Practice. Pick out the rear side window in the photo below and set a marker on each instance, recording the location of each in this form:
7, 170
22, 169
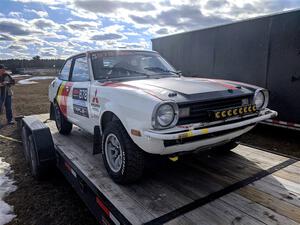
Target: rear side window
64, 73
80, 70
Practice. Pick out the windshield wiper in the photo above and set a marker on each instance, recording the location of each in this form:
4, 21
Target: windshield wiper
159, 69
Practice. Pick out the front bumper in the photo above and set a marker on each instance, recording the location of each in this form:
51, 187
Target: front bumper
263, 115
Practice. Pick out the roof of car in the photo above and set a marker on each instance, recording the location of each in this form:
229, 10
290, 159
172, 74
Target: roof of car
117, 50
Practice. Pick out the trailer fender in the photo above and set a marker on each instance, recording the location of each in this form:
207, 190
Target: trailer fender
39, 146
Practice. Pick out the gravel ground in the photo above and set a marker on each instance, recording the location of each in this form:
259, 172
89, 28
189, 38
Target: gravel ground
54, 202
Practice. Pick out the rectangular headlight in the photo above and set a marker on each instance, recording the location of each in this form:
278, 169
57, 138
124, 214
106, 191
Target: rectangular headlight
184, 112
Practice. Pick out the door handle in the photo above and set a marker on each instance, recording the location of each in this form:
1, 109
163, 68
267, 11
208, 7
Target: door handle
295, 78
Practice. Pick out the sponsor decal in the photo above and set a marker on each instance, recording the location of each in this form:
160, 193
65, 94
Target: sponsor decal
62, 96
81, 110
79, 102
80, 94
100, 55
95, 99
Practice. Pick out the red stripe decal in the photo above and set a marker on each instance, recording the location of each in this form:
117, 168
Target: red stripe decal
63, 96
102, 206
223, 83
229, 86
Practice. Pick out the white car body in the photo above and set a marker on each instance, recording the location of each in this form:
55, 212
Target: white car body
133, 102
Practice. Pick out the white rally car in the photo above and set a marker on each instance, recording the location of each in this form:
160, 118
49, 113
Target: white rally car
142, 105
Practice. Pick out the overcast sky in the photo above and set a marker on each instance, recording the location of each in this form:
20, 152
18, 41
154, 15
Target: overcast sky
60, 28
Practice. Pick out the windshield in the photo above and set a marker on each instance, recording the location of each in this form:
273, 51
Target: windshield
129, 64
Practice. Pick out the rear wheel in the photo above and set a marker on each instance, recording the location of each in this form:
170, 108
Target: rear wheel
62, 124
25, 144
123, 159
37, 171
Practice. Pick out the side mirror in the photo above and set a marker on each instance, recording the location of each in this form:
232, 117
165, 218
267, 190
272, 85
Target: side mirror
179, 72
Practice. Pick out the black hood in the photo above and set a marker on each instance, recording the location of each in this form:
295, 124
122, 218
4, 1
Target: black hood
190, 89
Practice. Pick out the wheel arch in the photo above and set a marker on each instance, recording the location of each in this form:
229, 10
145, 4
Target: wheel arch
107, 117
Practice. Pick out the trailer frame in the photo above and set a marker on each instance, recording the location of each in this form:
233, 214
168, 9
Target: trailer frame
100, 205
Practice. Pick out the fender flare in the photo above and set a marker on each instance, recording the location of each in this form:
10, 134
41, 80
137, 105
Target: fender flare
115, 109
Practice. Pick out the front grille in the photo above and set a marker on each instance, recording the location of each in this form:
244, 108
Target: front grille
199, 111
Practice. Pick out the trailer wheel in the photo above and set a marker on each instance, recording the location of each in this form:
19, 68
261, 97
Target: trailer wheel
25, 144
37, 170
62, 124
123, 160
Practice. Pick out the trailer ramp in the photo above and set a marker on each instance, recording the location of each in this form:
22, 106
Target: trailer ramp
246, 186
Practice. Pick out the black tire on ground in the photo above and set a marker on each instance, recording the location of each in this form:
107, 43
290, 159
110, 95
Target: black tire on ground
225, 148
133, 158
25, 144
37, 170
62, 124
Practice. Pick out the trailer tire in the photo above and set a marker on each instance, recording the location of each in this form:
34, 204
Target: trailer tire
62, 124
131, 159
25, 144
37, 170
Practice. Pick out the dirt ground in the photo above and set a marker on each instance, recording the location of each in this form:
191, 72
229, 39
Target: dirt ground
53, 201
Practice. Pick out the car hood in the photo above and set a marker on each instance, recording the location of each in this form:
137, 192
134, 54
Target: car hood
186, 88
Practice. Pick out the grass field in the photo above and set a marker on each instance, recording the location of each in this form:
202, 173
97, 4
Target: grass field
32, 98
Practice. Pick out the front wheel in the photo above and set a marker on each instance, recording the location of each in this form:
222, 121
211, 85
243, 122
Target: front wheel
62, 124
123, 159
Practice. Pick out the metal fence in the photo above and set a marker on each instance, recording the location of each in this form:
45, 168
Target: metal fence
264, 51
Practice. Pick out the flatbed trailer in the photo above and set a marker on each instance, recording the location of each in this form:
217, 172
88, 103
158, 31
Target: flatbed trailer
245, 186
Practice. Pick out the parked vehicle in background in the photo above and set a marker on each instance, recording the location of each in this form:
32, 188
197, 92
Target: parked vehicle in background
142, 105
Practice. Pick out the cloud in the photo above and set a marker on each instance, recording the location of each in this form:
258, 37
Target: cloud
31, 40
162, 31
43, 23
15, 14
46, 2
213, 4
111, 6
82, 25
17, 47
4, 37
48, 52
14, 27
105, 37
38, 13
182, 18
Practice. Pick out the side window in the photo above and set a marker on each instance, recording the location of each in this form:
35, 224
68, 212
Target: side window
80, 70
64, 73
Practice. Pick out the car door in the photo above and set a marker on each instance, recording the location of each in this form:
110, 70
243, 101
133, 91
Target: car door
79, 99
61, 88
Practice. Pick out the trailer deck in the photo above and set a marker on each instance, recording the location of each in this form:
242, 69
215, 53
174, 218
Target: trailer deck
246, 186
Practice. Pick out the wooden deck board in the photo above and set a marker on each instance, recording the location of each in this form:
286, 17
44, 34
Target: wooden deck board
278, 205
273, 197
216, 213
281, 192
